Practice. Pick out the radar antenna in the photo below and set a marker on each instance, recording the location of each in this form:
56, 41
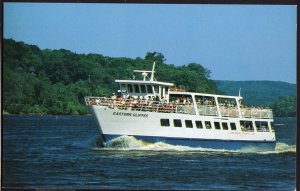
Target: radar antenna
145, 73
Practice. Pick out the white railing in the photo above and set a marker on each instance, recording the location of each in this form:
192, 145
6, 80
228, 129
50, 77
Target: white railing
164, 107
207, 110
140, 105
260, 113
229, 111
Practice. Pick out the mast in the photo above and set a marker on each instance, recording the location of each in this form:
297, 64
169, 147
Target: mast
152, 73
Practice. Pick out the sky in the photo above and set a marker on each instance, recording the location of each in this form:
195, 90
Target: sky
234, 42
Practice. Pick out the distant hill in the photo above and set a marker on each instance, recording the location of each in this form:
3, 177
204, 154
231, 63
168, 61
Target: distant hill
257, 93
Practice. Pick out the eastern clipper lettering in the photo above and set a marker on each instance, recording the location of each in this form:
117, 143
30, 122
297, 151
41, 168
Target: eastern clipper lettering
130, 114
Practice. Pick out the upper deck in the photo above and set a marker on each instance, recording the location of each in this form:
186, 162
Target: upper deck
155, 96
190, 108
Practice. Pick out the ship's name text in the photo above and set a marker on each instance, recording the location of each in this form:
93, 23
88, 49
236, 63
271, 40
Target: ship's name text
130, 114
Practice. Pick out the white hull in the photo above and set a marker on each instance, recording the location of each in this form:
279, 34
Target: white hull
116, 122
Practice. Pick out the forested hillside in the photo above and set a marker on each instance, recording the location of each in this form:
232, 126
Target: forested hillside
280, 96
258, 93
47, 81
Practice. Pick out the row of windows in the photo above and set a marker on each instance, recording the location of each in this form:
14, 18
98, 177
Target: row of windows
249, 126
198, 124
136, 88
245, 125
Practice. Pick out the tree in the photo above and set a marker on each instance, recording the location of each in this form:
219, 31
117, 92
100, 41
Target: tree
157, 57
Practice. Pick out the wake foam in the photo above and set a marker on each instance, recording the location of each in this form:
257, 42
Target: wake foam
131, 143
282, 148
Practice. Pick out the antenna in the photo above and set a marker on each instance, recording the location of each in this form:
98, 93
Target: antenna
240, 92
152, 73
145, 73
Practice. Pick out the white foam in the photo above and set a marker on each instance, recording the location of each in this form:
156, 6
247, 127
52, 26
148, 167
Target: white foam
131, 143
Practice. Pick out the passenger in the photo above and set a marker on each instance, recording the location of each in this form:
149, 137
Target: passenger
157, 98
113, 97
242, 128
205, 102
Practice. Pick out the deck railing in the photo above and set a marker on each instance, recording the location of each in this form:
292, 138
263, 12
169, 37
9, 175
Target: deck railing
260, 113
163, 107
229, 111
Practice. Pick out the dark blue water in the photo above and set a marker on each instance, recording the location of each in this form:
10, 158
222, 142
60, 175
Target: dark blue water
61, 152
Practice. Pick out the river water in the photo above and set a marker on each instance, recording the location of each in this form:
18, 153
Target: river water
62, 152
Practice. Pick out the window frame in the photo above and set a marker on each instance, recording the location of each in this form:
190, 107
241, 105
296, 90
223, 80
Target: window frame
199, 122
164, 122
227, 127
205, 124
190, 125
218, 126
178, 123
233, 124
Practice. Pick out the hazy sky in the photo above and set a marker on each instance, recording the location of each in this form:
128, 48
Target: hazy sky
235, 42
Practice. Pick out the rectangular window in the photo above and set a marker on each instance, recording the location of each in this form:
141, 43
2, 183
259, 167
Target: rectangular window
136, 88
156, 89
246, 126
217, 125
207, 125
188, 124
225, 126
177, 123
129, 87
199, 124
165, 122
149, 89
233, 126
262, 126
143, 88
123, 88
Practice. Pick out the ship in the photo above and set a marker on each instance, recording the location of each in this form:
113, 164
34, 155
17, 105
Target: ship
155, 111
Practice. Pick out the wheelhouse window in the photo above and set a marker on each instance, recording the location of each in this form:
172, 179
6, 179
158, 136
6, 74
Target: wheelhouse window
177, 123
262, 126
225, 125
149, 89
129, 87
233, 126
123, 88
246, 126
199, 124
136, 88
143, 88
207, 125
165, 122
156, 89
217, 125
188, 124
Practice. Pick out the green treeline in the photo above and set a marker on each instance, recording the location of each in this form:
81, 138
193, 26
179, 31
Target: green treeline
285, 106
47, 81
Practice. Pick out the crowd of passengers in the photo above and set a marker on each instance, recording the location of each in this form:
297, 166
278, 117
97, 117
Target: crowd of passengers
176, 101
